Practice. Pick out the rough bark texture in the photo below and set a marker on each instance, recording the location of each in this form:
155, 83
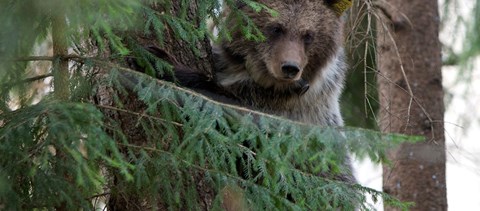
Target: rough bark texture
411, 101
183, 54
178, 48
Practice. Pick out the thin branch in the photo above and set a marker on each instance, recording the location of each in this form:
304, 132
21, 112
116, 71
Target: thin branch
98, 195
27, 80
140, 114
51, 58
35, 58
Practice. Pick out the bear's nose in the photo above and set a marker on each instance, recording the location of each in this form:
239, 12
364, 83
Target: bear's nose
290, 69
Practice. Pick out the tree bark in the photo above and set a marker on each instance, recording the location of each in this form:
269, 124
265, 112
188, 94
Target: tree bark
60, 49
411, 101
182, 53
180, 49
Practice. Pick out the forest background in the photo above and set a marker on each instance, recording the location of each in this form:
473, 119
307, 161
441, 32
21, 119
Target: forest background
460, 47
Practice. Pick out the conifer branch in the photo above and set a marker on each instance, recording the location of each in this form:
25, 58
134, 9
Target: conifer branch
190, 92
299, 171
237, 178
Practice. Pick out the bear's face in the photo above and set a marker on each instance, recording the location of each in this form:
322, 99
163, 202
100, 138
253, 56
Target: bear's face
299, 42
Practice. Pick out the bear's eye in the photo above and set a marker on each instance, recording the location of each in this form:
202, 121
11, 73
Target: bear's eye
308, 38
275, 31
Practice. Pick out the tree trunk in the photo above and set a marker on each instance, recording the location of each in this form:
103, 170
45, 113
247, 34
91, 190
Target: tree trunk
178, 48
411, 101
183, 54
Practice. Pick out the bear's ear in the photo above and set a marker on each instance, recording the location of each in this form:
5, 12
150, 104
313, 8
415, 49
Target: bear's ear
238, 4
339, 6
330, 2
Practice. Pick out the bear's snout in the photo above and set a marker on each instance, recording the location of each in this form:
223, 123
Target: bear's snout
288, 59
290, 70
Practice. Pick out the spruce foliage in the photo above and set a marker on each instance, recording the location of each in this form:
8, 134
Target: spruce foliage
73, 153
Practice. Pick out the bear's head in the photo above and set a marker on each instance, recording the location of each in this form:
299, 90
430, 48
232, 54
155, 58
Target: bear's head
299, 42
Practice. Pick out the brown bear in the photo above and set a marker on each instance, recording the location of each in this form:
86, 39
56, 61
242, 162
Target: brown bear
297, 72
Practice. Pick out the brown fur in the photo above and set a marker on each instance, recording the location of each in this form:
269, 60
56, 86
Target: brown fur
307, 33
250, 74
